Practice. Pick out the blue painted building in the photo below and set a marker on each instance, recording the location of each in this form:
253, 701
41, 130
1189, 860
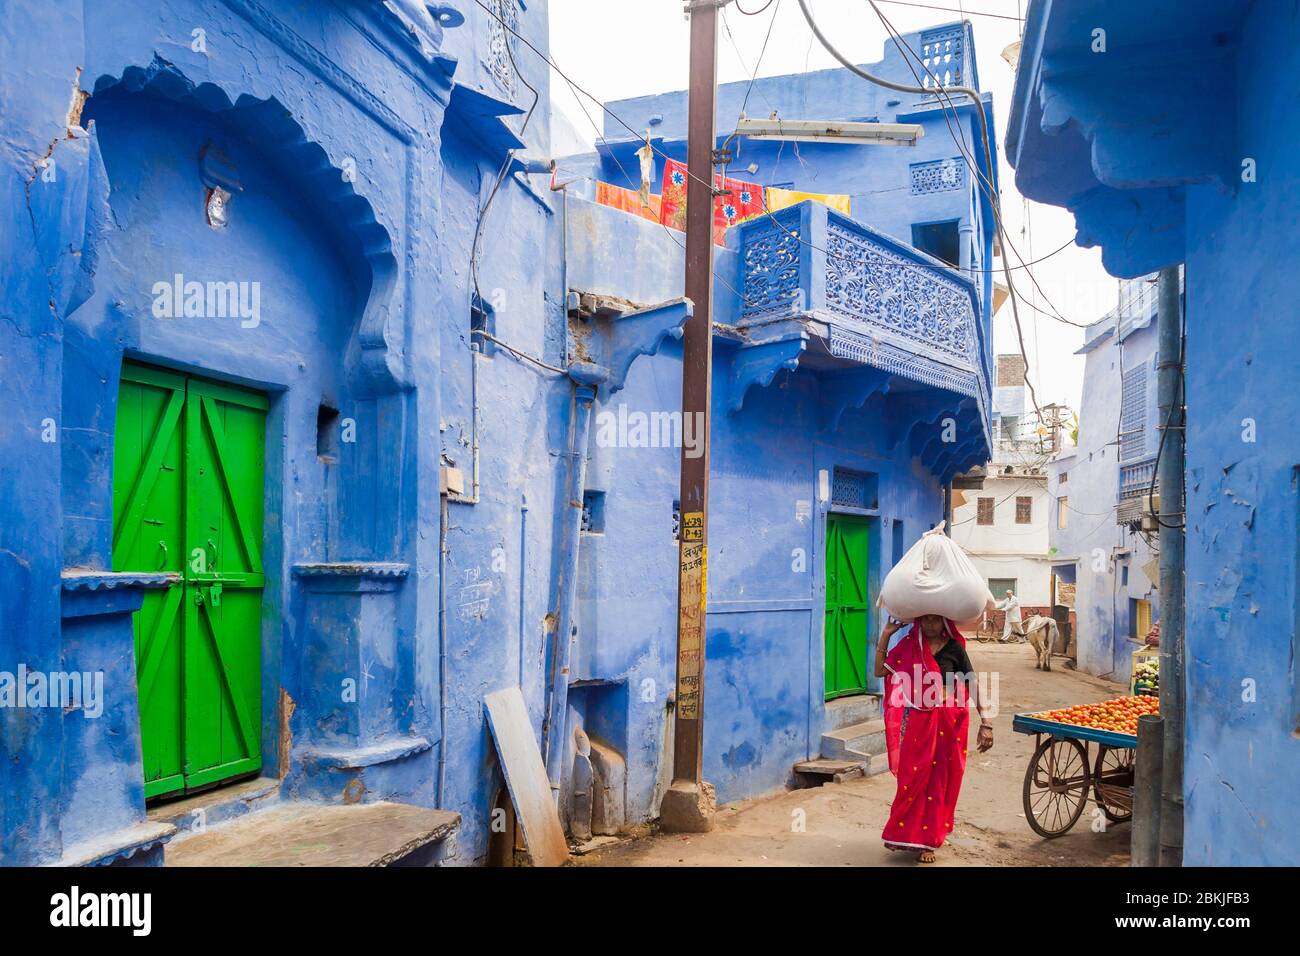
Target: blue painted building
328, 162
1099, 489
844, 346
1162, 126
297, 266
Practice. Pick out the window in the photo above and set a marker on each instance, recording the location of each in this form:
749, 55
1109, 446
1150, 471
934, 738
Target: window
938, 239
1141, 619
1065, 477
984, 514
999, 587
1062, 513
1024, 509
593, 512
1133, 414
853, 489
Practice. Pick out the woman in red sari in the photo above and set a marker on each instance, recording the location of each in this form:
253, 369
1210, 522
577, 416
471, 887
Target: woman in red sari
929, 685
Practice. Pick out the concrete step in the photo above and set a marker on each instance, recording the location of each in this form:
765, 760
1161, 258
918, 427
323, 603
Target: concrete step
196, 813
821, 770
297, 834
875, 764
856, 741
844, 711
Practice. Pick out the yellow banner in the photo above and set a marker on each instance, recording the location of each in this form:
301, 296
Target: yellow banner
778, 198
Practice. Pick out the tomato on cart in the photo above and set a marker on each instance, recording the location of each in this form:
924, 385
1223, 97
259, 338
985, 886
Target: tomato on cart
1063, 774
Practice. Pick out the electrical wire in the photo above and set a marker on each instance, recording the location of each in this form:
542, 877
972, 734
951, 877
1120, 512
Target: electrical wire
1006, 267
753, 76
578, 89
516, 352
941, 91
574, 88
482, 216
505, 166
958, 9
1180, 398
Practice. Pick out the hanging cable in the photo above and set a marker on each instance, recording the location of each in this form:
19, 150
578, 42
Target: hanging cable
505, 166
753, 78
958, 9
988, 153
986, 185
578, 89
1180, 399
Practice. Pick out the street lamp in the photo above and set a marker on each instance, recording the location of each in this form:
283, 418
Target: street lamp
831, 131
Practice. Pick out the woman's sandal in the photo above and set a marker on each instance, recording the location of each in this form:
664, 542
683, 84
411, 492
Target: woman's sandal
925, 856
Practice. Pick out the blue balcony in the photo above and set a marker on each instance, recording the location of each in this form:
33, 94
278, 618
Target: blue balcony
871, 300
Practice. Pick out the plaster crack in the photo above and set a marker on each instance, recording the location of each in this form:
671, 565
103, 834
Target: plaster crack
1230, 788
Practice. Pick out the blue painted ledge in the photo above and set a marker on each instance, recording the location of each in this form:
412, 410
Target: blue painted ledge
352, 576
90, 593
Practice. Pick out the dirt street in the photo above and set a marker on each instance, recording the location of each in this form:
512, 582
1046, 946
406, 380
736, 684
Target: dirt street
842, 822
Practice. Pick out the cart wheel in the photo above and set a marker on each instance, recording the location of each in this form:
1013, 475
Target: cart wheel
1113, 782
1056, 786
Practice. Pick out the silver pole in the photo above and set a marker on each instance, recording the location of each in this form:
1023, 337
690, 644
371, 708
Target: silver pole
1144, 846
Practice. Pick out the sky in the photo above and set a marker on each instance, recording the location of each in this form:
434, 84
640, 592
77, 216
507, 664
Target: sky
620, 48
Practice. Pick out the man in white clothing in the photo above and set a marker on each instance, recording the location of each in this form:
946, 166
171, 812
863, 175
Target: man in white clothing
1013, 621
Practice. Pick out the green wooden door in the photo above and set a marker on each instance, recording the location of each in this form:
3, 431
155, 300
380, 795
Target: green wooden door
187, 498
848, 614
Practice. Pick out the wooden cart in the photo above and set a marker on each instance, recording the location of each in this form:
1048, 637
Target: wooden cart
1064, 774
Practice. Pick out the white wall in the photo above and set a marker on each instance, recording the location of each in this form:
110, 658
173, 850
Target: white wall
1006, 549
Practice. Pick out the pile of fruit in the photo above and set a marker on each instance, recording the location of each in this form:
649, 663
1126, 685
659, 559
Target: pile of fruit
1146, 676
1119, 715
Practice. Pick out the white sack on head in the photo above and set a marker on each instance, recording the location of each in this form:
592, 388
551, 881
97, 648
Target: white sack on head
935, 577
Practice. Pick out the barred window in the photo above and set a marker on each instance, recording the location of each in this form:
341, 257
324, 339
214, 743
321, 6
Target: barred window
1024, 509
984, 514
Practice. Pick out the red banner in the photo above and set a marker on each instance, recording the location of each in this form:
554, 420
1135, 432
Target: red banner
736, 202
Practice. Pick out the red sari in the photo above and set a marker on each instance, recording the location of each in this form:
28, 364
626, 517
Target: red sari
926, 731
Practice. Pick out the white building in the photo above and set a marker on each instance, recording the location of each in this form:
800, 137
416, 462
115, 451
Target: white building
1003, 526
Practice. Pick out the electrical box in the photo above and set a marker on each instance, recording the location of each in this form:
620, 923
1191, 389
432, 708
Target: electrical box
453, 481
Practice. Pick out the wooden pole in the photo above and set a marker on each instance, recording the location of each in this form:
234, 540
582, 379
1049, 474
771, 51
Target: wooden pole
689, 804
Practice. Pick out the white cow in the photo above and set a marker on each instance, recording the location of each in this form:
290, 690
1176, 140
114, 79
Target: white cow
1043, 634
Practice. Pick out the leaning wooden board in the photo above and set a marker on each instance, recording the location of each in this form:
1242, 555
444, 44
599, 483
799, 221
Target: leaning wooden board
530, 791
1033, 724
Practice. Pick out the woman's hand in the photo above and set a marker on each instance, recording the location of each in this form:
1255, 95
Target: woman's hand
984, 739
882, 646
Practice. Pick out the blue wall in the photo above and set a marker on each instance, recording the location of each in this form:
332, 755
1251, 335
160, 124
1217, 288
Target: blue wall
1122, 143
878, 179
360, 166
364, 141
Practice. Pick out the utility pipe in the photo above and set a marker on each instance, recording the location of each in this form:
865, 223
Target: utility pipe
1148, 761
1172, 564
584, 394
523, 584
442, 647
